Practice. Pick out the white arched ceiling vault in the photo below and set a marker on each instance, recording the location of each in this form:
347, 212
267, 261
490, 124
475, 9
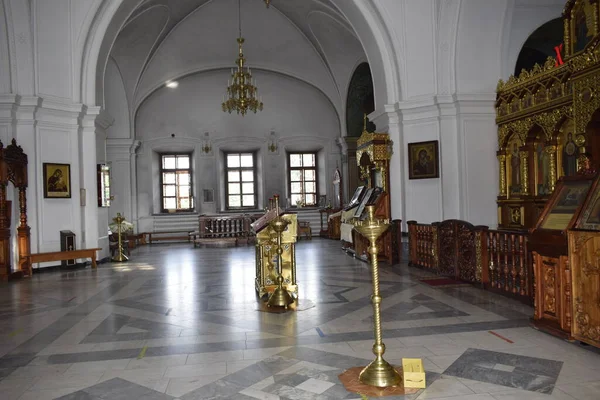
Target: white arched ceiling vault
314, 43
361, 22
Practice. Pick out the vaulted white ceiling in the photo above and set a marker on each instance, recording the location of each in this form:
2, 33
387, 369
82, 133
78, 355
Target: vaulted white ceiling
163, 40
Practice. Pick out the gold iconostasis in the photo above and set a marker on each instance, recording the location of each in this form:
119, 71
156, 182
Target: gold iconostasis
549, 120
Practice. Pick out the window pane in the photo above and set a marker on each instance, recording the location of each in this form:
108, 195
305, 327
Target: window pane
248, 176
247, 160
233, 176
184, 178
309, 175
295, 160
184, 191
248, 200
235, 201
248, 188
169, 162
168, 190
295, 198
233, 160
308, 160
296, 175
309, 187
168, 177
310, 199
170, 203
234, 188
296, 187
183, 162
184, 203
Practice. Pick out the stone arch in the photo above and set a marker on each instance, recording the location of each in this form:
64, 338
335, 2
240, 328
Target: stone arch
364, 17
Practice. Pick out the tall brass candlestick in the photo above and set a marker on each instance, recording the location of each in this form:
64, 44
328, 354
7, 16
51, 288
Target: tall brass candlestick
280, 296
120, 257
379, 372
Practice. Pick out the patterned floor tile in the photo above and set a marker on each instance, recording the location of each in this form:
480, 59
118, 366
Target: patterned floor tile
528, 373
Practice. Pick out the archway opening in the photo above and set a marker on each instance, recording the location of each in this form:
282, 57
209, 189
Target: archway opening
540, 45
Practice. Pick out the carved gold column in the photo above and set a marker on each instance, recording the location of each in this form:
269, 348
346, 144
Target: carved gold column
5, 264
23, 234
524, 156
551, 150
567, 36
502, 161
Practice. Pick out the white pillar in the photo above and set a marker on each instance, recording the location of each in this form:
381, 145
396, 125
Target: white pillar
133, 171
88, 178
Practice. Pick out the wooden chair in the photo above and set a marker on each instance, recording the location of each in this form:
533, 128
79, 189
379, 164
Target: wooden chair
304, 228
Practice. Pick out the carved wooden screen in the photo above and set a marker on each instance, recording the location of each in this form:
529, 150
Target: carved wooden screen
457, 256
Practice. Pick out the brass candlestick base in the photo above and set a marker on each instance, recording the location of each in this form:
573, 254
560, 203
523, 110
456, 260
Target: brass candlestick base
280, 297
379, 372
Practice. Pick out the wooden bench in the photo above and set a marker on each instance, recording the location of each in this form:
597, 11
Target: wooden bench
65, 255
167, 235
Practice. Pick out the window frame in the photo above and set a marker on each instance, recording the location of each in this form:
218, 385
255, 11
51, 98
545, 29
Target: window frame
254, 170
289, 175
161, 187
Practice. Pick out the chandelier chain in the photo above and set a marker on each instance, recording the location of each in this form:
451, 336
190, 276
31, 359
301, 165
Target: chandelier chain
241, 93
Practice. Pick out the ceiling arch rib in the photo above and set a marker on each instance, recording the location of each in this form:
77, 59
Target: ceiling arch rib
135, 43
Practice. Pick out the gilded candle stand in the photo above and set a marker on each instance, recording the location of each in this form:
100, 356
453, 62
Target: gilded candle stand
120, 257
280, 296
379, 372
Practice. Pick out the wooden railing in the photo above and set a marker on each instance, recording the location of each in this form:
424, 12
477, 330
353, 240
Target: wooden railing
498, 260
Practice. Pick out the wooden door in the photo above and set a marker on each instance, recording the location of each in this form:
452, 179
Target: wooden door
584, 248
457, 256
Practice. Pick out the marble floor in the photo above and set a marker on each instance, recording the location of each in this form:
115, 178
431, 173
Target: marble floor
184, 323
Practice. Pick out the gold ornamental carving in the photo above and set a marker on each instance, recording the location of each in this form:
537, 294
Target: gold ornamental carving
524, 155
516, 216
592, 267
582, 320
584, 107
502, 161
580, 239
549, 121
525, 76
549, 292
503, 132
551, 150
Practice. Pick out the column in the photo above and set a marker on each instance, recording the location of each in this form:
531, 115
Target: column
88, 178
524, 155
133, 170
23, 233
551, 150
502, 174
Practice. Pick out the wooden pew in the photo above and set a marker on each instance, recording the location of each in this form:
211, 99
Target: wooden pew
65, 255
166, 235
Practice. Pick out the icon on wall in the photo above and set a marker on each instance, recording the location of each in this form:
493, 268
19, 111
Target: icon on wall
57, 181
423, 160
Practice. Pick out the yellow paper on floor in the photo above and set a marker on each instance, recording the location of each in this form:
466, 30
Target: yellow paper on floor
413, 372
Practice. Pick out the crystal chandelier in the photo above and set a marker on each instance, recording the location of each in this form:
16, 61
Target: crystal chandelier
241, 89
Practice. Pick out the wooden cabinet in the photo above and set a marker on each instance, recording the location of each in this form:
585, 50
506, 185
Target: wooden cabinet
548, 242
